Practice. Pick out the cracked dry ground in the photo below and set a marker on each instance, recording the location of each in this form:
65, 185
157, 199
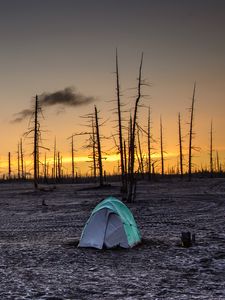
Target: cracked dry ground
39, 258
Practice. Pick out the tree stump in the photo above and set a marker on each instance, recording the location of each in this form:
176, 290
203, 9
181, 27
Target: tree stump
187, 240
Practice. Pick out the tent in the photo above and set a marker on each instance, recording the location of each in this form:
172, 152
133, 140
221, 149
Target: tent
111, 224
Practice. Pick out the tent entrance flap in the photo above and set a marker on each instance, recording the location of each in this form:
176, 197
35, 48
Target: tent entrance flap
115, 234
94, 231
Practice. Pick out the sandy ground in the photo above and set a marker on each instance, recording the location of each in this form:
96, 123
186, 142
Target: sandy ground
39, 258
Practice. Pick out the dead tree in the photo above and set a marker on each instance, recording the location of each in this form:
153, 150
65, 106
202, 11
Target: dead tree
22, 158
180, 146
98, 148
129, 146
18, 161
9, 165
59, 165
149, 141
218, 165
149, 145
36, 141
45, 168
72, 158
91, 142
191, 133
139, 153
93, 139
211, 150
55, 161
121, 149
133, 135
35, 130
125, 160
161, 147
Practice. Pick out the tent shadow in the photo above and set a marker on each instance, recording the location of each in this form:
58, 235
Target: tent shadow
145, 243
73, 243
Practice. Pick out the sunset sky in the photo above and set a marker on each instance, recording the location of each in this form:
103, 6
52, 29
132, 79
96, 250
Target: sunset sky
47, 46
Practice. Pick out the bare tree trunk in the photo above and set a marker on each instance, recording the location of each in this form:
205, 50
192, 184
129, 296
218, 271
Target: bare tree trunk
129, 145
191, 135
125, 165
161, 147
54, 161
72, 153
99, 149
36, 137
22, 157
218, 165
59, 166
9, 165
94, 149
141, 161
132, 135
211, 150
18, 161
45, 168
180, 146
38, 161
149, 146
25, 170
120, 125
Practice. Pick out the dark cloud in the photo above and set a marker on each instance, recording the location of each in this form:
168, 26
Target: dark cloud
22, 115
66, 97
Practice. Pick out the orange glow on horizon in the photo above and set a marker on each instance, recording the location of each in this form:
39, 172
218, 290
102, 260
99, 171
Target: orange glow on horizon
82, 163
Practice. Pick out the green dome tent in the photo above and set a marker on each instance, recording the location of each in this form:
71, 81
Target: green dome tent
111, 224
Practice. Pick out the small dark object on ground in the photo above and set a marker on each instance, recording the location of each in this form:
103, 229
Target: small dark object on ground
187, 239
72, 242
47, 189
44, 203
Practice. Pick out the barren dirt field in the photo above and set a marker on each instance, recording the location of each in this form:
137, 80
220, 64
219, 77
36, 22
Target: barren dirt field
39, 258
